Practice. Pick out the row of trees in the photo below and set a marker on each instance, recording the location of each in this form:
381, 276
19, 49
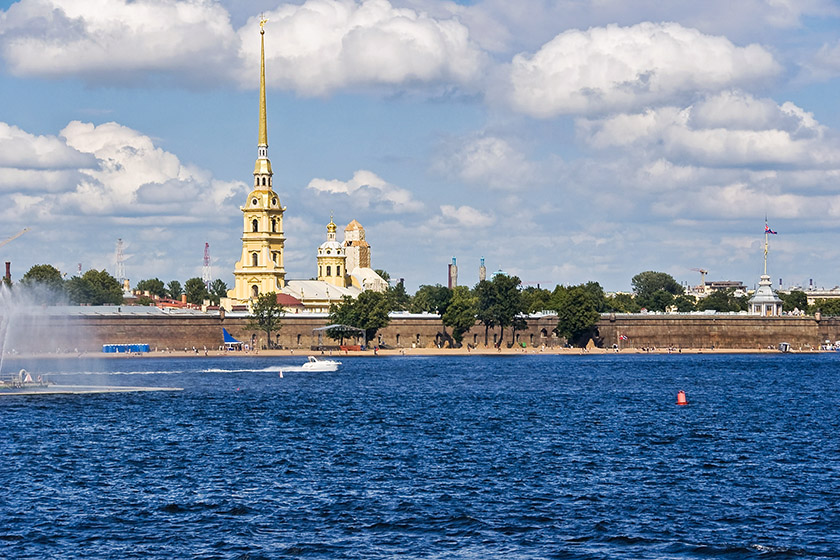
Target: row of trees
194, 289
499, 302
98, 287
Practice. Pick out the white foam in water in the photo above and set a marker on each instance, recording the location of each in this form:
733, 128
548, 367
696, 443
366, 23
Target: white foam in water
269, 369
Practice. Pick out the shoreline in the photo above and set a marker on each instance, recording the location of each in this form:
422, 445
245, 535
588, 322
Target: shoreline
480, 351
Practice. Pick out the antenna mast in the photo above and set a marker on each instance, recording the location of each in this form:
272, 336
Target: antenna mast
120, 262
206, 273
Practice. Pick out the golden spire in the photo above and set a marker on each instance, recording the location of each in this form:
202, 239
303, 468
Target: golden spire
263, 141
263, 165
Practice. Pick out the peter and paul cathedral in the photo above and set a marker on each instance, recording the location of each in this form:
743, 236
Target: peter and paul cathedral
343, 267
260, 268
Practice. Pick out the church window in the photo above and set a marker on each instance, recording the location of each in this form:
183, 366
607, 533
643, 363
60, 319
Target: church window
338, 270
329, 269
320, 271
273, 226
254, 259
263, 181
255, 226
328, 251
254, 201
274, 202
255, 291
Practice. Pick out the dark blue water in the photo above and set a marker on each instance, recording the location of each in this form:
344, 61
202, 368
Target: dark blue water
468, 457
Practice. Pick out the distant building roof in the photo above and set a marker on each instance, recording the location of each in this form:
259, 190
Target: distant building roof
304, 290
288, 301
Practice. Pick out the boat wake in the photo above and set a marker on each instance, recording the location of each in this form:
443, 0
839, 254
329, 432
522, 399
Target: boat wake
269, 369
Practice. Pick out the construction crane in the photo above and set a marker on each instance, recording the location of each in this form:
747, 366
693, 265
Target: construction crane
703, 272
15, 236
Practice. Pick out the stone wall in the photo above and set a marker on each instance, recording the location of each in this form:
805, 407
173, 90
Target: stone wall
402, 332
43, 333
719, 331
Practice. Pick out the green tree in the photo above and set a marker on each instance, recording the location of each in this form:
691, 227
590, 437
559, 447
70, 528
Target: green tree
685, 303
796, 299
659, 300
721, 301
499, 302
536, 299
509, 304
622, 303
174, 289
398, 299
485, 310
431, 299
646, 283
154, 286
45, 284
196, 291
827, 307
101, 288
218, 290
266, 315
79, 291
577, 315
460, 313
369, 312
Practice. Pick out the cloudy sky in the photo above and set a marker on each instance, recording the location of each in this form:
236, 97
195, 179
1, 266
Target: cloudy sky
562, 140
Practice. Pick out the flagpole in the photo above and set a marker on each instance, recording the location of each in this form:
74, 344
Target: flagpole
766, 242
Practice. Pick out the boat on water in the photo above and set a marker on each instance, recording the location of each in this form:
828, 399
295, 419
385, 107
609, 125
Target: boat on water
314, 365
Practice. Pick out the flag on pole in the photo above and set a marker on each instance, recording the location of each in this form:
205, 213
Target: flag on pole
768, 230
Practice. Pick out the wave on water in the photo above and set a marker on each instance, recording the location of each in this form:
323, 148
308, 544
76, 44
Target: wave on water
269, 369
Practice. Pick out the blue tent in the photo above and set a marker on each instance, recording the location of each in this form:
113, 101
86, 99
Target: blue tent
229, 340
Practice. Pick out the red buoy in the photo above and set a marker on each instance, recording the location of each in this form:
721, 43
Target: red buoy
681, 398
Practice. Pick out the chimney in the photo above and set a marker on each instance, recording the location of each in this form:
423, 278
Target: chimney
183, 298
8, 271
453, 274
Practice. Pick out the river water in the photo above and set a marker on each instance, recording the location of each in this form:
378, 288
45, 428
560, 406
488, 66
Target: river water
428, 457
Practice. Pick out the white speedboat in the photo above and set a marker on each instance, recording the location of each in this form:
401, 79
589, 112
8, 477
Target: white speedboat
314, 364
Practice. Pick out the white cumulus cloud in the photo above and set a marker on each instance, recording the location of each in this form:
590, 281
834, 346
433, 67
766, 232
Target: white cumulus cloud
488, 161
728, 129
323, 45
466, 216
118, 40
119, 173
314, 48
617, 68
367, 190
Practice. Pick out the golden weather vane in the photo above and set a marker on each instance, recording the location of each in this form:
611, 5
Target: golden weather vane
263, 21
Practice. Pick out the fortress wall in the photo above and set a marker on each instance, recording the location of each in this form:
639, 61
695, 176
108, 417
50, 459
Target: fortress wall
88, 333
720, 331
401, 332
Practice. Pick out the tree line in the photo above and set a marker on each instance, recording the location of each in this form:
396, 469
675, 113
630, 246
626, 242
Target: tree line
499, 302
98, 287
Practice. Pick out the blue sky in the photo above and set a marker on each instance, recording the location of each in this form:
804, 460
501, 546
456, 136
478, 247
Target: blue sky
564, 141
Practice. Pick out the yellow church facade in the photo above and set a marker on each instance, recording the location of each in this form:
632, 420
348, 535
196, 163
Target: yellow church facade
343, 267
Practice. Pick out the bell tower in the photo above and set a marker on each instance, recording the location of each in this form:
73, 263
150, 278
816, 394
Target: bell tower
260, 268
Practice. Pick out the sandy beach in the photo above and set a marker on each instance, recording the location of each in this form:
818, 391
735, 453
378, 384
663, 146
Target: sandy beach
479, 351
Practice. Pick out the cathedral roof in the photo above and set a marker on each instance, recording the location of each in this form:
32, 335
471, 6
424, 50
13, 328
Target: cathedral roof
354, 225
